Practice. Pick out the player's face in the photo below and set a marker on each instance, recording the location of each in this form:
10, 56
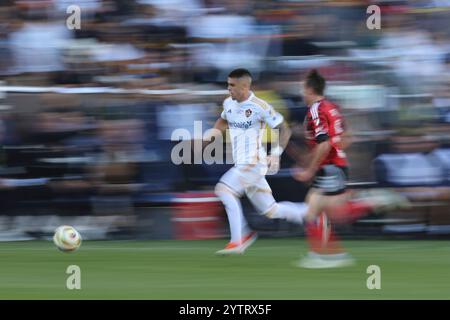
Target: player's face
238, 89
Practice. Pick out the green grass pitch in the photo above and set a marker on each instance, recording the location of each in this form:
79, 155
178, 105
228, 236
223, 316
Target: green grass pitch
190, 270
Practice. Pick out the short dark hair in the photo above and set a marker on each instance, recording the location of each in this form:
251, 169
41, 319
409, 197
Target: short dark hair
315, 81
239, 73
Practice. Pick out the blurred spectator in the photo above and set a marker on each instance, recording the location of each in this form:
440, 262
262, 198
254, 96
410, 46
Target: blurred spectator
416, 59
106, 134
37, 41
223, 41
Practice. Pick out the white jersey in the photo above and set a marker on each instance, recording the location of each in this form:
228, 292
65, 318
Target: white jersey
246, 122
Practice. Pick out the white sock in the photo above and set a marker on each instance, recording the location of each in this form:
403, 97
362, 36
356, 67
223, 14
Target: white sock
245, 230
292, 212
236, 219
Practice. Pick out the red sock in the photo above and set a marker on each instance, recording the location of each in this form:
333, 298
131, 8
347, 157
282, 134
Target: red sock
321, 237
313, 237
350, 211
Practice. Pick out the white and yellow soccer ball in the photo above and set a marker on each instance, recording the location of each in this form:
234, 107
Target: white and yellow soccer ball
67, 238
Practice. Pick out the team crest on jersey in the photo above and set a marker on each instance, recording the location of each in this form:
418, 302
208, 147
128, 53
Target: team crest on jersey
248, 112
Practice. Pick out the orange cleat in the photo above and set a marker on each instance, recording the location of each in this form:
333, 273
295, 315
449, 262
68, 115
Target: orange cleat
231, 248
248, 240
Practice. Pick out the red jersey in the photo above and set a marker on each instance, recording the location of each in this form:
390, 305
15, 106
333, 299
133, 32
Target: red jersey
324, 120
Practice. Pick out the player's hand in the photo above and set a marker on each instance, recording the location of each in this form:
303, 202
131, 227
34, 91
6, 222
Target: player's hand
273, 163
303, 175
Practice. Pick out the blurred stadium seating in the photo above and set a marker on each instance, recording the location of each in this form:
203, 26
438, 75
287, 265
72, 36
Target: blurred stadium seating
90, 112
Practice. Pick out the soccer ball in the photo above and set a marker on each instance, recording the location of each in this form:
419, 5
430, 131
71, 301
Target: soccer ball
67, 239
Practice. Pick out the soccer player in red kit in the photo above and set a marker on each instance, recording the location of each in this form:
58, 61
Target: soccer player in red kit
327, 200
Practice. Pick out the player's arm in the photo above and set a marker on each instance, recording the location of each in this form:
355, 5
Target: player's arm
284, 136
217, 131
319, 153
221, 125
277, 149
276, 121
322, 148
346, 139
341, 136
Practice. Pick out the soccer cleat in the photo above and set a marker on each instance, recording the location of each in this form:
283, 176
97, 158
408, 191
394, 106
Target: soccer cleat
319, 261
239, 248
248, 240
231, 248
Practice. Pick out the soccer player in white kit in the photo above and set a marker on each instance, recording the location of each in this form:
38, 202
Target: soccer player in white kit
246, 116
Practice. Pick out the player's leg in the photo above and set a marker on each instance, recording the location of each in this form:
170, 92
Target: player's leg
343, 209
328, 191
325, 249
260, 195
265, 203
317, 225
350, 207
340, 208
320, 235
229, 190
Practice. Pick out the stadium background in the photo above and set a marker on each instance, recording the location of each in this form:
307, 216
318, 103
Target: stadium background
87, 115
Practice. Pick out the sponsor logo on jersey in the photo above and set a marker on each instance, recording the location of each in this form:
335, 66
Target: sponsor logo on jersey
241, 125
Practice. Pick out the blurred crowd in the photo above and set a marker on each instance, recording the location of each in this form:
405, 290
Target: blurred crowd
171, 58
167, 44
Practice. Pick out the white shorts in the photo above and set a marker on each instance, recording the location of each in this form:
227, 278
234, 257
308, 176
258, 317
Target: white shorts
250, 180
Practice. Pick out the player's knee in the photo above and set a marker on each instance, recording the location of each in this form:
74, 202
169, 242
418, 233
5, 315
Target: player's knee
221, 189
315, 198
271, 212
